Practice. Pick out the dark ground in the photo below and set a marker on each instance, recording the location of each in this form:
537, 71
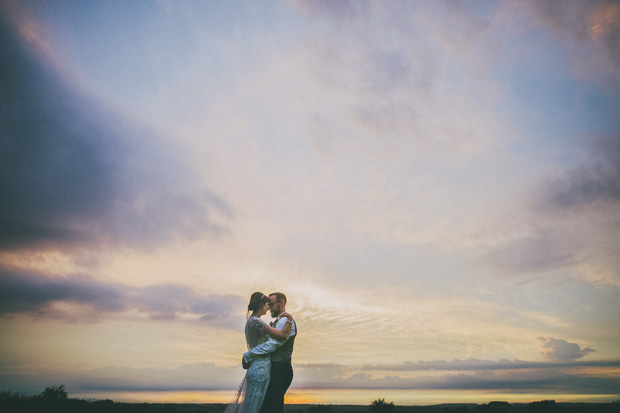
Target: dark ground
20, 404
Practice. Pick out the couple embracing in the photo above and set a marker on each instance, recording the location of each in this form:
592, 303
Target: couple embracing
268, 361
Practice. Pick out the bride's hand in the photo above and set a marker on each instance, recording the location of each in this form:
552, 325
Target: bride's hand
287, 315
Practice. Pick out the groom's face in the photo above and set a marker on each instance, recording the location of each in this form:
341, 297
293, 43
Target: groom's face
275, 306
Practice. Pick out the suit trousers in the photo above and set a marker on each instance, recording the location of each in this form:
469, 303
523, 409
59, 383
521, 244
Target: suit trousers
281, 378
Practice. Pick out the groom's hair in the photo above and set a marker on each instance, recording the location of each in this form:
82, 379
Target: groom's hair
279, 297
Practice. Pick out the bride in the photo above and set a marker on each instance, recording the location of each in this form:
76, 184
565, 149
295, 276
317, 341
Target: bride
253, 387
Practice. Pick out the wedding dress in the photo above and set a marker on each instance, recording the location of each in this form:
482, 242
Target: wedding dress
251, 392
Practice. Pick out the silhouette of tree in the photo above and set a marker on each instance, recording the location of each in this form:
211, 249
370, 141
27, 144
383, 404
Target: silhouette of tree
54, 393
544, 406
495, 407
380, 406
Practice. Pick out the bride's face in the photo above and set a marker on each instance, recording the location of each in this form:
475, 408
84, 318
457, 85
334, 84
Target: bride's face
264, 309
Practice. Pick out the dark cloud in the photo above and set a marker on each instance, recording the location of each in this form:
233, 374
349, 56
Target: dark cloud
567, 16
595, 21
574, 378
208, 376
489, 365
553, 349
590, 184
34, 293
560, 205
37, 294
73, 172
516, 382
54, 166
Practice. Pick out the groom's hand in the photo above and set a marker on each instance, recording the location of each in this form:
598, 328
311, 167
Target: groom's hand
244, 364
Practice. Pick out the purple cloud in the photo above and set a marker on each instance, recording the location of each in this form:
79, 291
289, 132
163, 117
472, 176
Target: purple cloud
589, 184
74, 173
34, 293
560, 350
596, 22
208, 376
37, 294
516, 376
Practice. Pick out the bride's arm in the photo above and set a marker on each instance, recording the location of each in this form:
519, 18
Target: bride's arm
267, 347
279, 334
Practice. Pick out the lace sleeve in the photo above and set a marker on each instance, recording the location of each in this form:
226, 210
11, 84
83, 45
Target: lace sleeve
254, 331
258, 326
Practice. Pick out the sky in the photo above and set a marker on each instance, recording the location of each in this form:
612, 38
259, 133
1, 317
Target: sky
435, 186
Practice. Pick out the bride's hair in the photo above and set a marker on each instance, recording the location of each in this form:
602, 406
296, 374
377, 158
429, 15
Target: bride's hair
257, 300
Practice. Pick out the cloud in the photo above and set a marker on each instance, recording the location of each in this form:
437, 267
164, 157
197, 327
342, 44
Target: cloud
576, 220
34, 293
73, 172
594, 183
561, 350
517, 376
82, 298
339, 10
411, 91
431, 89
535, 253
567, 219
200, 376
210, 376
595, 23
169, 300
188, 377
486, 365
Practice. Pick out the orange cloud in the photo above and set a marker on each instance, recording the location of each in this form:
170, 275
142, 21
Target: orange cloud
604, 18
30, 30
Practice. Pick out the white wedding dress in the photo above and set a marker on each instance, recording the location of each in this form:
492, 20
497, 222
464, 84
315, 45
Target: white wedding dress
252, 390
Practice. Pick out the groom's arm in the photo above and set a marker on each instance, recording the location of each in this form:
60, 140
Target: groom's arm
268, 346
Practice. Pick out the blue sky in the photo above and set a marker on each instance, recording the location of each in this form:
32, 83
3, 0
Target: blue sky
433, 184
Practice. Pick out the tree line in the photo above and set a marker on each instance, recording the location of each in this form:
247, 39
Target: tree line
55, 399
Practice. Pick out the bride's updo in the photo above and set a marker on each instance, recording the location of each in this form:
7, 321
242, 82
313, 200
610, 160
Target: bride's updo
257, 300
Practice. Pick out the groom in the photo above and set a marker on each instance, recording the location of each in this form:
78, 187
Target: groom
281, 354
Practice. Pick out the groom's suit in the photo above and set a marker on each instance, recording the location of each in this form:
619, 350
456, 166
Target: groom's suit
281, 369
